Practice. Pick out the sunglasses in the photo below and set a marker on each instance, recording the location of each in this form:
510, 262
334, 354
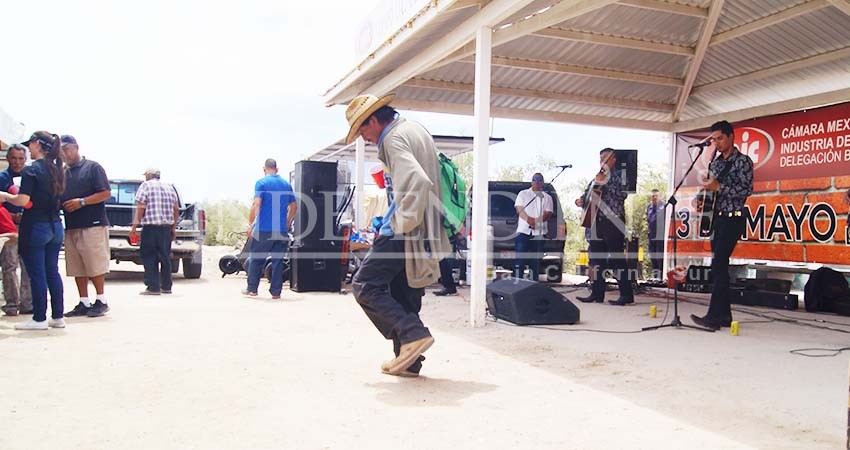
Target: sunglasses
537, 179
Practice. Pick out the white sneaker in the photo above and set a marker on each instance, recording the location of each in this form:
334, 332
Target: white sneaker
32, 325
56, 323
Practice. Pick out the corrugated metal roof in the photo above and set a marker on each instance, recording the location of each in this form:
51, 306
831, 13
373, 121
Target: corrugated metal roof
531, 9
622, 20
736, 14
809, 35
593, 55
819, 30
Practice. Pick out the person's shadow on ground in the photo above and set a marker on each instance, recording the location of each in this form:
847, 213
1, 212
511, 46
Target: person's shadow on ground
425, 391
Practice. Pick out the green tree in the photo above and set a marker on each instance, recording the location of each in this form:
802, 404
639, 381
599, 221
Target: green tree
227, 221
649, 177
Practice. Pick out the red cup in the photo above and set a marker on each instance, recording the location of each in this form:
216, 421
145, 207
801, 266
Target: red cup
377, 173
14, 189
134, 239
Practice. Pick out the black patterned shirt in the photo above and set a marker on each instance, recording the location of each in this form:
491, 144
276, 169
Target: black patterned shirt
613, 196
736, 184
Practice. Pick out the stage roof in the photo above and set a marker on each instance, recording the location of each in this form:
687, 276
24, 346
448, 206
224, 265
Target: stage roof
649, 64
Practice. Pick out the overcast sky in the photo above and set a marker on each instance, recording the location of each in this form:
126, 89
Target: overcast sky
207, 90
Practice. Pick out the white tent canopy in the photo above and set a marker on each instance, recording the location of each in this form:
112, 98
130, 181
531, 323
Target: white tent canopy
11, 131
650, 64
451, 146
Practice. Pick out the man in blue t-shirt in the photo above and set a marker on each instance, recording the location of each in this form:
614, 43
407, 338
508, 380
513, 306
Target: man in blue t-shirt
273, 208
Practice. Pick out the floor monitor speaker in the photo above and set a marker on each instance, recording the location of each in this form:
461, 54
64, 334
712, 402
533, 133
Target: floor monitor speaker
526, 302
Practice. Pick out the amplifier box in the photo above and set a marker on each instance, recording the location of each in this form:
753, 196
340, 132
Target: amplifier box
700, 288
757, 297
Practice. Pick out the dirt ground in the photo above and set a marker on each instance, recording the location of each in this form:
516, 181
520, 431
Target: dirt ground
205, 368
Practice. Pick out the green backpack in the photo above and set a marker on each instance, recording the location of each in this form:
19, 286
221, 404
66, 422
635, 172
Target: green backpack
454, 196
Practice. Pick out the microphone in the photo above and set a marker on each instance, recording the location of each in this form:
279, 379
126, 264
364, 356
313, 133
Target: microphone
700, 145
566, 166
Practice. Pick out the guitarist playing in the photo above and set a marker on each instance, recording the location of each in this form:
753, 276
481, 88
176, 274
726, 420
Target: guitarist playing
607, 237
731, 177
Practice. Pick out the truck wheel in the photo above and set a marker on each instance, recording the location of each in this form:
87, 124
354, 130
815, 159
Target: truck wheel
192, 269
175, 265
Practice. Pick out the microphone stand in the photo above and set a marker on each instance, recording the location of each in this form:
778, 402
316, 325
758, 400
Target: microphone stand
677, 322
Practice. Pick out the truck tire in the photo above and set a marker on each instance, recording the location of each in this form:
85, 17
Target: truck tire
175, 265
192, 269
267, 272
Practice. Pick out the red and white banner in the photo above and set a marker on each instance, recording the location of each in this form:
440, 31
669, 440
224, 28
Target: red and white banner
805, 144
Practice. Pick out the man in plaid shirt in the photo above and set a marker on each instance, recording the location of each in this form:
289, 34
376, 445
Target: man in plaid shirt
157, 210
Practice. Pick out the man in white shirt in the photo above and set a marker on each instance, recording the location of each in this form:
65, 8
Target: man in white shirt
534, 208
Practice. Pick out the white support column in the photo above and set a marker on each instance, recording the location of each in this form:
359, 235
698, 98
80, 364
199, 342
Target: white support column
359, 180
481, 166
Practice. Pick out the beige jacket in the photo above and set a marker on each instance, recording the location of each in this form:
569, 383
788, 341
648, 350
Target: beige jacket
409, 153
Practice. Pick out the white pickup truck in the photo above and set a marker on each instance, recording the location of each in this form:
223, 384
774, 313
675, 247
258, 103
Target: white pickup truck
191, 229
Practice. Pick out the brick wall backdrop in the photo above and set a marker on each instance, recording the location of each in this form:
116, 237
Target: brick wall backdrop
803, 248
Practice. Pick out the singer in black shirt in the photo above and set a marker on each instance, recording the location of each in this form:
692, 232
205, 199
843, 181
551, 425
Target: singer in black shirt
731, 176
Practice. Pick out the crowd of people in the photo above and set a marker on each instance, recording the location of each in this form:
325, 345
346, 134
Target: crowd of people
60, 180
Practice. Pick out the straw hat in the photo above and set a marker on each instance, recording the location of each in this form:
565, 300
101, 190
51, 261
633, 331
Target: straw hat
360, 108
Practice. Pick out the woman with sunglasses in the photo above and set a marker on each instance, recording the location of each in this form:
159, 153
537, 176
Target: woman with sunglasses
41, 232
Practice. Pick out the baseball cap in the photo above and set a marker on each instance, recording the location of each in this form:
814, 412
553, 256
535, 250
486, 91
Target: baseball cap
151, 171
68, 139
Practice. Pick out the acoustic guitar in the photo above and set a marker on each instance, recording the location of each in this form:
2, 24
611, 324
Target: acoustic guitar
593, 199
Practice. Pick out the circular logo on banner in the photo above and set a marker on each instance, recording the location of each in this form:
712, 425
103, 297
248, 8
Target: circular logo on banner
755, 143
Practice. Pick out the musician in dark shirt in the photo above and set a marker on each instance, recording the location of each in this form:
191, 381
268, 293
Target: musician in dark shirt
655, 232
731, 177
607, 232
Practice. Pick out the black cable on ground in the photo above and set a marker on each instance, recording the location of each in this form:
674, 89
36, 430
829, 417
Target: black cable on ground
829, 352
544, 327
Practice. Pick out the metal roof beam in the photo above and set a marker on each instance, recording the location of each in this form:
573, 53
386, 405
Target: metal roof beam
615, 41
775, 70
527, 114
811, 101
699, 55
770, 20
549, 66
544, 95
662, 6
843, 5
556, 14
492, 14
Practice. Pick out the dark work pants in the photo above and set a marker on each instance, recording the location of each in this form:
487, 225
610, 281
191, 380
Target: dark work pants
380, 287
446, 278
155, 248
606, 252
656, 257
727, 232
529, 251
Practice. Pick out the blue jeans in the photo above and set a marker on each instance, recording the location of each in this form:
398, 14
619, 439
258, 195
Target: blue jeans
155, 249
41, 256
529, 251
263, 245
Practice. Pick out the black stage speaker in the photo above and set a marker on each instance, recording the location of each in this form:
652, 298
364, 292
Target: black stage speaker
627, 162
526, 302
767, 284
754, 297
316, 270
315, 184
